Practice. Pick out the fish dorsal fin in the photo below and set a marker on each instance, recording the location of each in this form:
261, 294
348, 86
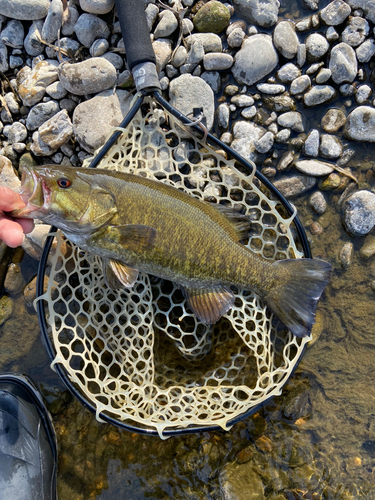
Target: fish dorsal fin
134, 237
118, 275
240, 222
209, 304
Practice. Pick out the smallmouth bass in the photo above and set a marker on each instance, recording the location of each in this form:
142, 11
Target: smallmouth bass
138, 224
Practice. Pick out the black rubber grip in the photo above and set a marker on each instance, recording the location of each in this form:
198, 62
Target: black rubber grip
134, 29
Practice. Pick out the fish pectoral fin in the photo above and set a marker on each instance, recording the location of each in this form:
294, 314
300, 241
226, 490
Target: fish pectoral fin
135, 237
118, 275
209, 304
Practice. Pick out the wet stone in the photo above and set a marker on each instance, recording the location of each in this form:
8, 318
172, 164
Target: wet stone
251, 11
365, 51
346, 255
292, 120
264, 144
343, 63
323, 76
285, 39
6, 308
335, 13
242, 100
333, 181
356, 31
318, 203
234, 480
212, 17
270, 88
311, 145
300, 85
359, 213
316, 46
360, 125
319, 94
217, 61
286, 161
280, 103
14, 280
288, 73
223, 114
293, 186
330, 146
333, 120
367, 251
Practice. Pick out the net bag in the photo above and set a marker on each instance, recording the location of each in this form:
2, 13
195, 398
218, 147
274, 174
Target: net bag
138, 355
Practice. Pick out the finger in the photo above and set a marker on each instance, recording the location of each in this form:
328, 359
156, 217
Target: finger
26, 224
11, 232
9, 200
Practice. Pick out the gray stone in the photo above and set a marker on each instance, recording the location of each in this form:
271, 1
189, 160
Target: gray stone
213, 79
15, 61
97, 6
223, 114
343, 63
296, 185
87, 77
217, 61
163, 51
365, 51
24, 10
41, 113
316, 46
301, 55
256, 59
279, 103
17, 132
56, 90
304, 24
288, 73
315, 168
12, 104
333, 120
187, 92
285, 39
115, 59
70, 20
187, 26
318, 203
363, 93
210, 41
283, 136
167, 25
347, 90
245, 134
311, 4
53, 21
236, 37
33, 45
356, 31
32, 83
367, 6
359, 213
99, 47
311, 145
67, 45
89, 27
256, 12
271, 88
330, 146
346, 254
249, 112
323, 76
292, 120
332, 35
4, 64
196, 53
13, 34
180, 56
264, 144
360, 125
151, 12
300, 85
94, 119
52, 134
318, 95
286, 161
242, 100
335, 13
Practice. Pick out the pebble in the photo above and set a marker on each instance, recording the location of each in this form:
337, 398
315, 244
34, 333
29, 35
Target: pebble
187, 92
285, 39
249, 112
235, 38
316, 228
292, 120
24, 10
343, 63
53, 21
363, 93
89, 27
319, 94
318, 203
356, 31
333, 181
212, 17
40, 113
70, 20
196, 53
97, 6
288, 73
294, 186
217, 61
94, 119
32, 83
52, 134
253, 12
330, 146
210, 41
234, 480
365, 51
14, 280
167, 25
300, 85
333, 120
33, 45
315, 168
367, 251
360, 124
163, 51
332, 35
323, 75
11, 102
115, 59
213, 79
335, 13
359, 213
301, 55
17, 132
4, 64
248, 67
13, 34
286, 161
87, 77
264, 144
6, 308
316, 46
223, 114
346, 255
283, 136
311, 145
245, 133
56, 90
242, 100
271, 88
99, 47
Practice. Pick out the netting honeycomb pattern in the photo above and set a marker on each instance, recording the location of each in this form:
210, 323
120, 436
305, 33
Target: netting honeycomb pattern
138, 354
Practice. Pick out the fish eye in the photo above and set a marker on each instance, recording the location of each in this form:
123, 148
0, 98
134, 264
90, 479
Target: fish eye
64, 183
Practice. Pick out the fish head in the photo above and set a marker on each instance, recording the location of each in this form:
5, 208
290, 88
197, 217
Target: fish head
64, 197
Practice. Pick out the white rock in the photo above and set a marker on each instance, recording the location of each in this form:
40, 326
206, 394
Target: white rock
264, 144
288, 73
285, 39
343, 63
318, 95
260, 13
360, 124
300, 85
359, 213
8, 176
163, 51
356, 31
52, 134
97, 6
245, 134
316, 46
330, 146
363, 93
292, 120
314, 168
32, 83
217, 61
210, 41
365, 51
223, 114
323, 75
311, 145
335, 13
270, 88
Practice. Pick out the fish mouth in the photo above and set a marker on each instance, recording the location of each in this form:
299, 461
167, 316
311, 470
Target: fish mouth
33, 194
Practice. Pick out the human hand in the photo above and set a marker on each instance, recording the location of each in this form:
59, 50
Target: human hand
12, 230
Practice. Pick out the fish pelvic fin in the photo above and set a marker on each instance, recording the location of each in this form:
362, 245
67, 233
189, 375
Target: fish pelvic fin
294, 300
209, 304
118, 275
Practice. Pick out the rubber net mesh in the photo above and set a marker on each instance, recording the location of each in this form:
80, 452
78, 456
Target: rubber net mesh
139, 354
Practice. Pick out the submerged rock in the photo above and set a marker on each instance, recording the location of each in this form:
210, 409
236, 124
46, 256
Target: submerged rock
6, 308
359, 213
241, 482
295, 185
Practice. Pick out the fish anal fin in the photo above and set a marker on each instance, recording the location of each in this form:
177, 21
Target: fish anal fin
118, 275
209, 304
134, 237
240, 222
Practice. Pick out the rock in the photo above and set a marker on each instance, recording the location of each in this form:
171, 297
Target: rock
87, 77
360, 125
301, 55
323, 76
333, 120
280, 103
332, 35
346, 255
235, 38
217, 61
367, 251
32, 83
333, 181
151, 12
223, 114
318, 203
187, 92
249, 112
94, 119
249, 67
294, 186
97, 6
311, 146
363, 93
311, 4
99, 47
292, 120
264, 144
13, 34
343, 63
282, 136
270, 88
89, 27
56, 90
167, 25
12, 104
365, 51
285, 39
29, 292
245, 134
14, 280
242, 100
70, 20
17, 132
335, 13
4, 65
213, 79
41, 113
212, 17
115, 59
24, 10
356, 31
286, 161
6, 304
359, 213
8, 176
163, 52
318, 95
33, 45
180, 57
53, 21
288, 73
330, 146
300, 85
314, 168
210, 41
256, 12
234, 480
33, 242
52, 134
316, 47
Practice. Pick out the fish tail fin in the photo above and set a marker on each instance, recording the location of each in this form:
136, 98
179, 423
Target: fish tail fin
295, 299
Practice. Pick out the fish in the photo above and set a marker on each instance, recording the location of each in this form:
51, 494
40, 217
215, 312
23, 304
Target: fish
138, 224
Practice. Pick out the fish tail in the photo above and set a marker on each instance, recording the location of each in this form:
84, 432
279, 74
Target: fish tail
294, 300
